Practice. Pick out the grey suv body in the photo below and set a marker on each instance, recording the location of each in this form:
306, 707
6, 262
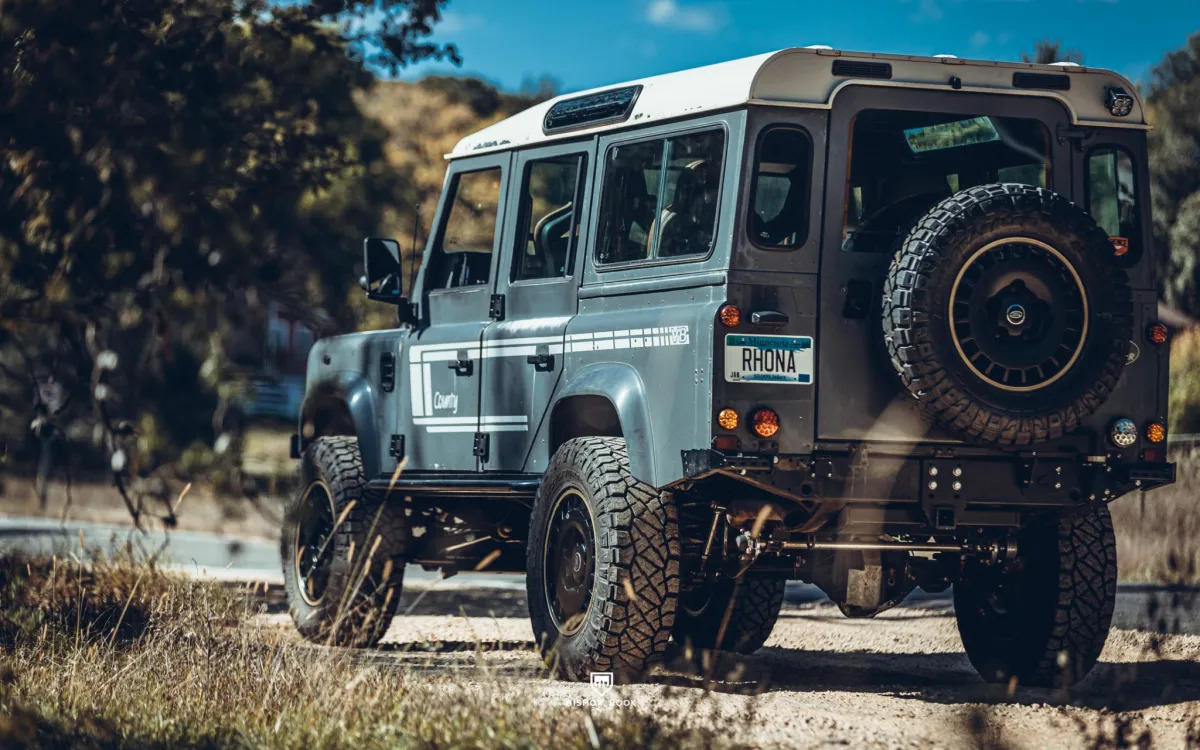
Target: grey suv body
868, 321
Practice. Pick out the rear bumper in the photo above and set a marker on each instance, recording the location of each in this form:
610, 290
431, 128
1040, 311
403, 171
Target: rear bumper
935, 478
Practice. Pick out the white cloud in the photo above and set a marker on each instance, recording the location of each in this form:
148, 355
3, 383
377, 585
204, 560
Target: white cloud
929, 10
980, 39
702, 18
454, 23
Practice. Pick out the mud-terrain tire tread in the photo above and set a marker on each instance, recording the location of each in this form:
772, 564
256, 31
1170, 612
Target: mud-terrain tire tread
1079, 609
337, 460
637, 553
963, 220
755, 602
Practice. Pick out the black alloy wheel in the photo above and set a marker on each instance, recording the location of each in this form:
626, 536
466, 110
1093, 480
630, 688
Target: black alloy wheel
570, 565
1019, 314
313, 553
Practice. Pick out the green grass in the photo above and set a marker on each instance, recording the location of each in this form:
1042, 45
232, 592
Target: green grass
119, 654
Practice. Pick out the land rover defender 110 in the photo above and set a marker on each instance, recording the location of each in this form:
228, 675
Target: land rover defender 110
873, 322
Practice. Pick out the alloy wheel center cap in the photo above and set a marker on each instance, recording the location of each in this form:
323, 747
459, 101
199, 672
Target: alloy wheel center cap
576, 562
1015, 315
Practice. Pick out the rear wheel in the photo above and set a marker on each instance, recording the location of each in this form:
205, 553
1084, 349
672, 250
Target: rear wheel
603, 563
342, 549
1043, 619
735, 616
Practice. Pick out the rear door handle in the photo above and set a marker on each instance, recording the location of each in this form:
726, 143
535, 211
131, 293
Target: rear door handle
462, 366
541, 362
768, 318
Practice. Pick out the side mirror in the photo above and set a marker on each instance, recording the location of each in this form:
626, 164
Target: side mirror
383, 280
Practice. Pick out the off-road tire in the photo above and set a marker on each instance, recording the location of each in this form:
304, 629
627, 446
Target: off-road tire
917, 332
752, 604
631, 612
1059, 598
357, 603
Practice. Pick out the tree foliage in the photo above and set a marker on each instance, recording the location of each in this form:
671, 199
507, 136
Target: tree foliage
1173, 98
165, 167
1047, 51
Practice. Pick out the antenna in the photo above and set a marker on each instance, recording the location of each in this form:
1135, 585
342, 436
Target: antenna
412, 258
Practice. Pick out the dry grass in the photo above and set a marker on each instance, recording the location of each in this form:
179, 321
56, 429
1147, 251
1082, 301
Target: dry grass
1158, 532
118, 654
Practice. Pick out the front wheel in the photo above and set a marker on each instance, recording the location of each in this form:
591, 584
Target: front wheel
736, 616
342, 549
1044, 619
603, 563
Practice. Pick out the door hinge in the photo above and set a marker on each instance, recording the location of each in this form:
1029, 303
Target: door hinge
387, 371
396, 447
481, 445
496, 310
1077, 135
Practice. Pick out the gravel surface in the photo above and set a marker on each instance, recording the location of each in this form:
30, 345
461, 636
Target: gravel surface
898, 680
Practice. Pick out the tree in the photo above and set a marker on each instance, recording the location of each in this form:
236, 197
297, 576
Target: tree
1173, 100
1049, 51
165, 167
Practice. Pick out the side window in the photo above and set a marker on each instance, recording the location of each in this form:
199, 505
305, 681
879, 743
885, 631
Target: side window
549, 219
464, 254
660, 198
1112, 198
779, 193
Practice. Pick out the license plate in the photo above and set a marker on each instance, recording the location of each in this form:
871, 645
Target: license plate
768, 359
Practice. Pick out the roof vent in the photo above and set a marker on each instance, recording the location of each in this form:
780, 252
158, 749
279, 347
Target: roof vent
613, 105
1052, 81
1066, 64
818, 46
862, 69
952, 57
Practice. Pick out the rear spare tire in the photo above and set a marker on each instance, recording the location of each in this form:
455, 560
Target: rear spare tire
1006, 316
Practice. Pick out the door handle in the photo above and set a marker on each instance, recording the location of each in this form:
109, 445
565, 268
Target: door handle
541, 362
462, 366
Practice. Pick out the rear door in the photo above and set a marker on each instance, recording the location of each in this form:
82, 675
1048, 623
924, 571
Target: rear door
537, 281
892, 155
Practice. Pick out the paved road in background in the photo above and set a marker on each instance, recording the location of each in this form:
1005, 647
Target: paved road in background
1139, 606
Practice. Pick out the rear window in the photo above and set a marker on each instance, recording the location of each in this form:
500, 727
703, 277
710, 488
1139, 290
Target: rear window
660, 198
903, 163
779, 194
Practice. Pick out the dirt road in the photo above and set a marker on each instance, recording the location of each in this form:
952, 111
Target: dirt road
900, 680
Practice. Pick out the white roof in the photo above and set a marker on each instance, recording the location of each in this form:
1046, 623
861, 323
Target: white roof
802, 77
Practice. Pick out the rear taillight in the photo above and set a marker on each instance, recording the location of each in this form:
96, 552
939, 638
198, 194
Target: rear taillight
1157, 334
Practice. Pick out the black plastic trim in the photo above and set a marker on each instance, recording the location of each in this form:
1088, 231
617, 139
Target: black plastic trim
862, 69
600, 108
1051, 81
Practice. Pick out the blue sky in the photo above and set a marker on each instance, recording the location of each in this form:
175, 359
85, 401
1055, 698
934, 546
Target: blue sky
584, 44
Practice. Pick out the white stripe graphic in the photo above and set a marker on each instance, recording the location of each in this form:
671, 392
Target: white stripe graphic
424, 358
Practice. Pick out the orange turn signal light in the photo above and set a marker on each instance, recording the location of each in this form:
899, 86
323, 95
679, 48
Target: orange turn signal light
1157, 333
765, 423
730, 315
1156, 432
728, 419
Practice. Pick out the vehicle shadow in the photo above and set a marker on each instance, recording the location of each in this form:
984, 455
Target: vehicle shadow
946, 678
464, 601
